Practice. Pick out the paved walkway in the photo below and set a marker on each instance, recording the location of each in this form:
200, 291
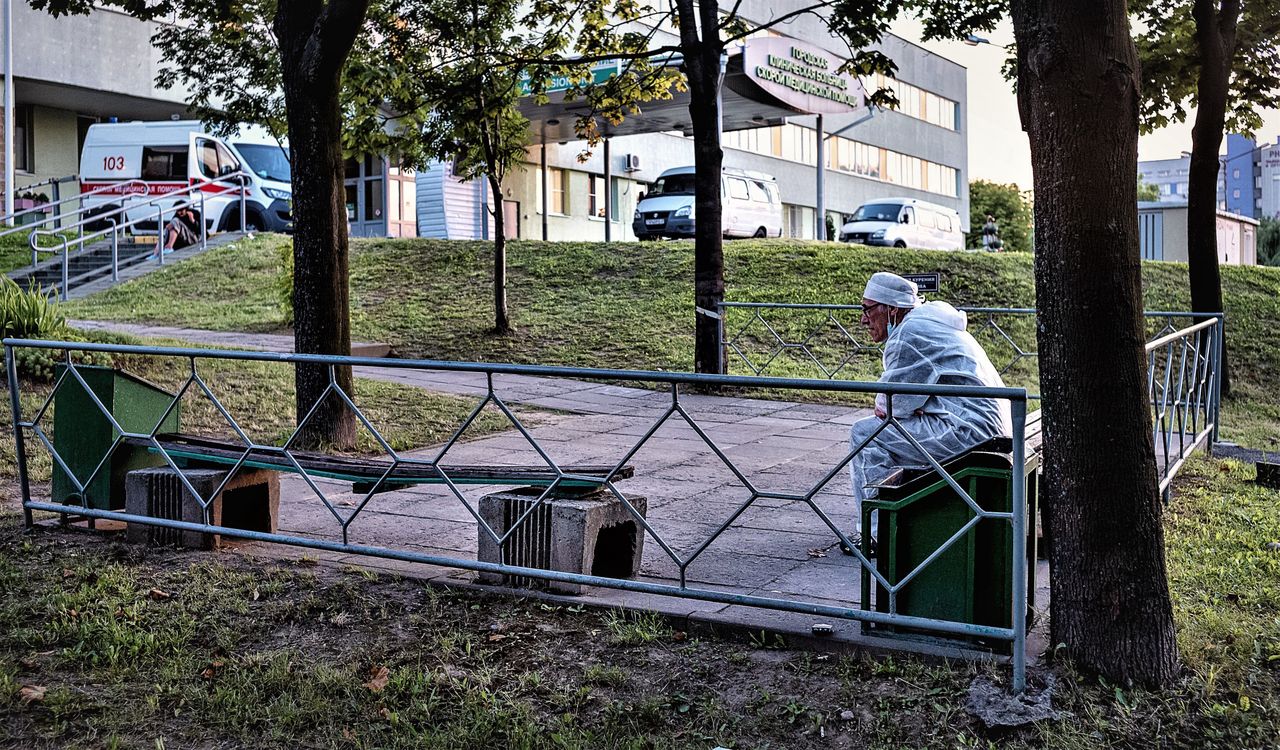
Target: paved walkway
770, 547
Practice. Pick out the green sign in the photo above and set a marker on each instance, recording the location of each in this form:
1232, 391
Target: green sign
600, 72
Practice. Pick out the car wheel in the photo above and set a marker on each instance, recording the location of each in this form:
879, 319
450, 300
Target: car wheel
761, 233
900, 243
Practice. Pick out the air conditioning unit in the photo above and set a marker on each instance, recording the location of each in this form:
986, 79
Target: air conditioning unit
633, 162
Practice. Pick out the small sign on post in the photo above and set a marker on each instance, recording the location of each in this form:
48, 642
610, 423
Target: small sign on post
926, 282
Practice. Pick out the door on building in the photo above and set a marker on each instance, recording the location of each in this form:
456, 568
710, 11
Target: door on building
365, 197
511, 219
402, 202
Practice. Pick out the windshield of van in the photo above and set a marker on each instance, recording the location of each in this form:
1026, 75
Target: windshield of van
267, 161
877, 212
676, 184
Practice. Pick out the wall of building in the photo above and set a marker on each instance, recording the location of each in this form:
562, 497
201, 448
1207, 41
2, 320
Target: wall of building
1269, 176
844, 191
1163, 234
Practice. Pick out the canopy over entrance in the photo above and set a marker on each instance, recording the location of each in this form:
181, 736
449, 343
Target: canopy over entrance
765, 81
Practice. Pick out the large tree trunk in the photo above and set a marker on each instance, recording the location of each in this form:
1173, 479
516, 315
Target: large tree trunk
314, 39
1216, 40
702, 63
501, 319
1078, 98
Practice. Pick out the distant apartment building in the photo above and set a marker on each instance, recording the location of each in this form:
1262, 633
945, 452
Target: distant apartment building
1248, 178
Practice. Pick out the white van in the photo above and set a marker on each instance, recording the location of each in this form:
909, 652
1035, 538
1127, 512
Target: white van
170, 156
904, 222
750, 201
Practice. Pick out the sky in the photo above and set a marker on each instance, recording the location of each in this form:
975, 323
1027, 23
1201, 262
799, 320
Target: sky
998, 148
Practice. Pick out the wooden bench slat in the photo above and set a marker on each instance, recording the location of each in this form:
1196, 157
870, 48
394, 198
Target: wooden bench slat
365, 472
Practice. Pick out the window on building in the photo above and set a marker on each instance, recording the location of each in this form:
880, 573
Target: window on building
1235, 193
23, 139
557, 181
595, 196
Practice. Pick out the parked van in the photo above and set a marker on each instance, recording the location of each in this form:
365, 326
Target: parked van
750, 201
904, 222
170, 156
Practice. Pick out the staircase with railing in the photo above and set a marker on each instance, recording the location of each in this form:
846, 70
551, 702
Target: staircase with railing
81, 257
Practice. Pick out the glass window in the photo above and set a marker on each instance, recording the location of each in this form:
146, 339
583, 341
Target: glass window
555, 184
738, 189
756, 189
595, 196
614, 191
267, 161
207, 156
408, 200
373, 200
908, 215
164, 163
23, 139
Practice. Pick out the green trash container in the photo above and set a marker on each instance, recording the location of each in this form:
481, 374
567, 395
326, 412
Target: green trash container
82, 434
970, 582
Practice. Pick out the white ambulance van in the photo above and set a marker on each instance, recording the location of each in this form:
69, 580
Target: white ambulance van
170, 156
751, 205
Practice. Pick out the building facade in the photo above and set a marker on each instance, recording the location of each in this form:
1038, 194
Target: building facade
1248, 178
918, 150
1162, 234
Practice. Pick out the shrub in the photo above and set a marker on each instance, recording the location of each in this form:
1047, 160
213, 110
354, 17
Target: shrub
29, 314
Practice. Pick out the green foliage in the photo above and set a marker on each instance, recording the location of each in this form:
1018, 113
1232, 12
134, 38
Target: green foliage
1170, 60
1011, 208
1147, 191
1269, 243
28, 314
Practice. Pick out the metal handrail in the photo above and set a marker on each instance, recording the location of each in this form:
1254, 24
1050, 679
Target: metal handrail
57, 215
111, 215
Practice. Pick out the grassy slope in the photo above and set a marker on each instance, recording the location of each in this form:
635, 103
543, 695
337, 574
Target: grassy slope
631, 306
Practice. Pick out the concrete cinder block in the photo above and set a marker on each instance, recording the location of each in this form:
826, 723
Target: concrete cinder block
593, 534
251, 500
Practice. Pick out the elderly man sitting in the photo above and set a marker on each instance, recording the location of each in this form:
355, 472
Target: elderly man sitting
923, 343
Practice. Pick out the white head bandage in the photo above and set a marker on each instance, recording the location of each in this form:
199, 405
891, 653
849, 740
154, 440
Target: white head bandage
892, 290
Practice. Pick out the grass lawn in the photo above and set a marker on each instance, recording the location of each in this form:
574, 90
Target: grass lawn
631, 306
104, 645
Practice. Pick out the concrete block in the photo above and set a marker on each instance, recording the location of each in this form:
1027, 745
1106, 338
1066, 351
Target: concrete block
593, 534
251, 500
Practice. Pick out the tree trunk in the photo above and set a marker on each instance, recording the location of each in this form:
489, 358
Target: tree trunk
1216, 40
311, 38
702, 63
1078, 99
501, 319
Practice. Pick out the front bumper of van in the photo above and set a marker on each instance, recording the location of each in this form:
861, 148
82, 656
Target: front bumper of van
674, 227
280, 216
865, 238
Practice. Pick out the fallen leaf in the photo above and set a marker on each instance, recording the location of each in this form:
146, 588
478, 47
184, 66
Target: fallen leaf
254, 596
495, 637
208, 673
157, 594
384, 713
347, 735
28, 663
378, 677
679, 635
31, 693
68, 573
73, 614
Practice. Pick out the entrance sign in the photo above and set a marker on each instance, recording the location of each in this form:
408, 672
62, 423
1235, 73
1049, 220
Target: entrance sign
600, 72
925, 282
802, 76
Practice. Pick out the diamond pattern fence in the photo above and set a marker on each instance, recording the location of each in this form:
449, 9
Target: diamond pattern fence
827, 341
676, 413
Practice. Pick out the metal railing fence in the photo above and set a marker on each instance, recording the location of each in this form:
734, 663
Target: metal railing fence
45, 213
119, 220
683, 545
1184, 359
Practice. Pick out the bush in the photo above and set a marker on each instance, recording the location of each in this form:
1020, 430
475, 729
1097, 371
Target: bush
284, 283
29, 314
35, 314
1269, 243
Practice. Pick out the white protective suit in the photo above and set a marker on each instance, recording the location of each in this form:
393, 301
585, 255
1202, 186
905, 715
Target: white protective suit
931, 345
